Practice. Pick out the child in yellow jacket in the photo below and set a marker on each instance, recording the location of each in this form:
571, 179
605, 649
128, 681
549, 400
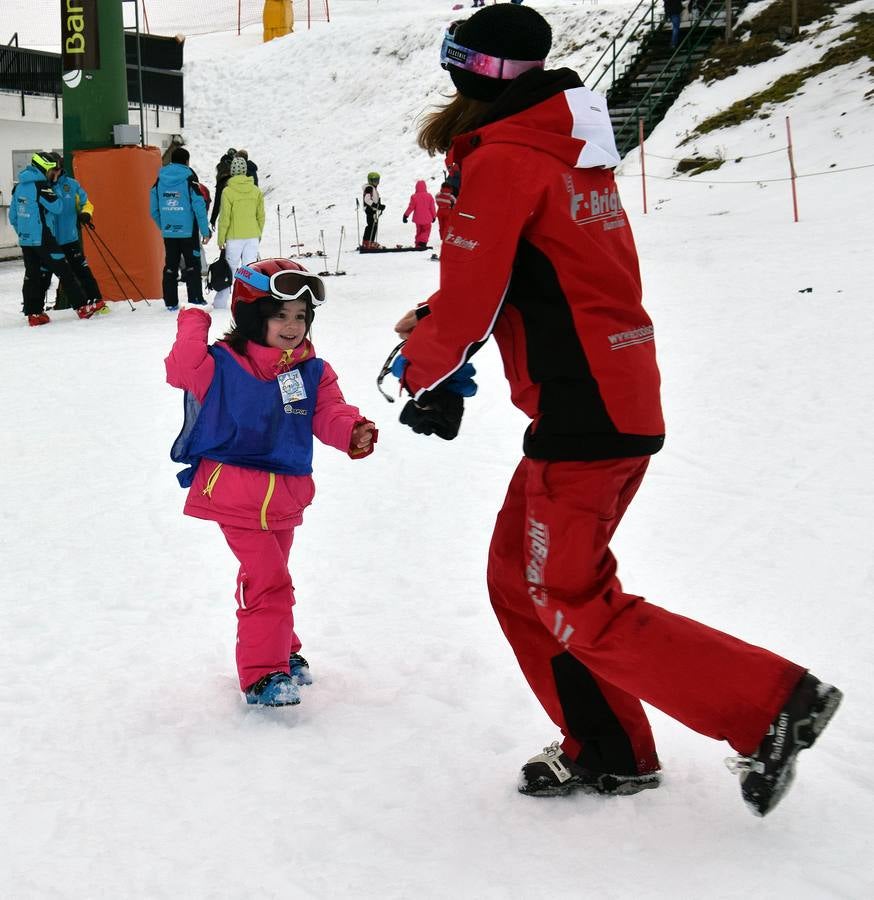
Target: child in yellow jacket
241, 221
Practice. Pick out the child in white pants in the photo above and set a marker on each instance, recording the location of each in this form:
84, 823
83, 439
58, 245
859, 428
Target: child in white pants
238, 252
241, 222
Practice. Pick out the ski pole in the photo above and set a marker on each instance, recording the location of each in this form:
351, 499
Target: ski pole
357, 220
124, 271
323, 251
120, 266
340, 247
109, 269
279, 223
296, 238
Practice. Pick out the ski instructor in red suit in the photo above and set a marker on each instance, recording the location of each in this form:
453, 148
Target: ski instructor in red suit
550, 269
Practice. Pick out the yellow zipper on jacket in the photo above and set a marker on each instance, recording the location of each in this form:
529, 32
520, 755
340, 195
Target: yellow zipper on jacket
210, 482
271, 485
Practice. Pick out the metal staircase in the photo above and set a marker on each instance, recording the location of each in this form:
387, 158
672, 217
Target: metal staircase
642, 75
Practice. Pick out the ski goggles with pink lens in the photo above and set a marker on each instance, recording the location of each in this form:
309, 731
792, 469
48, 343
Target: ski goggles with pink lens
289, 284
454, 54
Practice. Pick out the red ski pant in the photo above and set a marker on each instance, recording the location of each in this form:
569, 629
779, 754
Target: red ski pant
265, 597
592, 652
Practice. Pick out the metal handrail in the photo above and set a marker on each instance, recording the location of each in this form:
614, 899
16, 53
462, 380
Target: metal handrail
613, 42
648, 19
685, 49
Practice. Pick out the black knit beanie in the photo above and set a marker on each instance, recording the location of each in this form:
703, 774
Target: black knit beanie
506, 30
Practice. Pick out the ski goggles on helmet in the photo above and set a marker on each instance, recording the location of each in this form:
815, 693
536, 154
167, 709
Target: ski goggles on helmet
289, 284
454, 54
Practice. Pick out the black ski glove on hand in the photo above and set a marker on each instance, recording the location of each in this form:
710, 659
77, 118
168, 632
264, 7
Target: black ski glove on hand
405, 220
435, 412
84, 218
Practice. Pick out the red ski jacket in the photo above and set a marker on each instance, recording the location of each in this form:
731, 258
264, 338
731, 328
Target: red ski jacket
538, 251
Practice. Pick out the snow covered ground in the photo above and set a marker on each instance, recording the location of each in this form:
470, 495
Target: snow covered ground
132, 768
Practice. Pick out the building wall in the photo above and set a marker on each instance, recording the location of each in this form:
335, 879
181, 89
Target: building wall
41, 129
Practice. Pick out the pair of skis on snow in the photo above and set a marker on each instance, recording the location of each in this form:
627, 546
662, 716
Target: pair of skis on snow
398, 248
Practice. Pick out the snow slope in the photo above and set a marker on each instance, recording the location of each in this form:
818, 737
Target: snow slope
132, 768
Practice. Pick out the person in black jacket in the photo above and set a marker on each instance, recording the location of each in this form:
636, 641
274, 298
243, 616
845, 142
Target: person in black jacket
673, 12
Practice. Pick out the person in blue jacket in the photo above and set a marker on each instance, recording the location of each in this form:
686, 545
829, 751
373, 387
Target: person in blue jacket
76, 211
33, 200
179, 210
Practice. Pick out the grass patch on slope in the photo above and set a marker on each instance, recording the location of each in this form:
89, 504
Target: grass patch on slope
854, 44
763, 37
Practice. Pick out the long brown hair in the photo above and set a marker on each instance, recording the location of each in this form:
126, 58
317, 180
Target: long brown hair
459, 115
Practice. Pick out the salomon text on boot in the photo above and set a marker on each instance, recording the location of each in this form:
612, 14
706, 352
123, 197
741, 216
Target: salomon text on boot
767, 774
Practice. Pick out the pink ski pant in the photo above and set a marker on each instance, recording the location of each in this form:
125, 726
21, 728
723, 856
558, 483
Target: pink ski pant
590, 651
423, 232
265, 597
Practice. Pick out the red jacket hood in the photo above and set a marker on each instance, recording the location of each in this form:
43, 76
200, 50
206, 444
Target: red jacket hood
550, 111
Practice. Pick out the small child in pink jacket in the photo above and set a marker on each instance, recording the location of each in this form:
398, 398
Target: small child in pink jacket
424, 211
253, 402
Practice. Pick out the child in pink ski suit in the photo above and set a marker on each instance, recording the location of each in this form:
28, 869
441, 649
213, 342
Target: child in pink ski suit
445, 203
424, 212
253, 402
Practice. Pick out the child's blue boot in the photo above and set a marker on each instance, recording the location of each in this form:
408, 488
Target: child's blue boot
299, 669
275, 689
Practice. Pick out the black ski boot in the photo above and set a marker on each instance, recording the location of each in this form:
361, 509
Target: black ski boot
299, 669
554, 774
767, 774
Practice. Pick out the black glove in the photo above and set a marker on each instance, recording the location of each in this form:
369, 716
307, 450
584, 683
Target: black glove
84, 218
435, 412
47, 192
405, 220
381, 207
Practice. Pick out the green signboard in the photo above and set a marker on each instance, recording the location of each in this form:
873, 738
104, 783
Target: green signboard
80, 37
94, 72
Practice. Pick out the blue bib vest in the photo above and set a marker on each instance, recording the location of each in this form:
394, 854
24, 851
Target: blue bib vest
243, 421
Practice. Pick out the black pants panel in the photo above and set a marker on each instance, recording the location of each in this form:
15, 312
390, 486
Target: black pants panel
187, 249
372, 224
38, 261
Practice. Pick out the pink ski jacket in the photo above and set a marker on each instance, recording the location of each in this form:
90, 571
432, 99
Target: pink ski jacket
422, 205
251, 498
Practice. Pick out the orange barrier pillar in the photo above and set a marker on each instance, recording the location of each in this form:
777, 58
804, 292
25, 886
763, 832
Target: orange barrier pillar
126, 251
